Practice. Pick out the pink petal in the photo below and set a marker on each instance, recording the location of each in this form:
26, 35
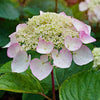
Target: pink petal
13, 50
80, 26
72, 44
13, 38
63, 13
82, 56
54, 53
97, 12
89, 28
20, 62
20, 26
62, 59
44, 47
40, 69
83, 6
85, 38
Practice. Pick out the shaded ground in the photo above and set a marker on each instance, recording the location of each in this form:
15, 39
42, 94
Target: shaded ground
11, 96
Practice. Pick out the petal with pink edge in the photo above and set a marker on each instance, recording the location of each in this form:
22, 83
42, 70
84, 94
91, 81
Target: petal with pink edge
13, 50
20, 26
89, 28
82, 56
97, 12
44, 47
62, 59
20, 62
85, 38
80, 26
72, 44
83, 6
63, 13
13, 38
40, 68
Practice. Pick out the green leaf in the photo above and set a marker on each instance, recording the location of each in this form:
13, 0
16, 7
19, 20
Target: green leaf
83, 86
5, 68
90, 46
34, 54
63, 74
97, 43
35, 6
20, 82
3, 56
31, 11
8, 11
78, 14
32, 97
6, 28
46, 83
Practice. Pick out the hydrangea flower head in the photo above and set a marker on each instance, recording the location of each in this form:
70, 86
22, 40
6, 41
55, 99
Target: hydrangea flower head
93, 8
96, 55
56, 36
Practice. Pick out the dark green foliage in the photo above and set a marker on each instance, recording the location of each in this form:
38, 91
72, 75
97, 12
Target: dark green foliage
6, 28
32, 97
35, 6
8, 11
77, 14
83, 86
3, 56
22, 83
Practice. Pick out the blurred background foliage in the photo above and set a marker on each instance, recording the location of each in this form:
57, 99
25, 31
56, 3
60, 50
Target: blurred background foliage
13, 12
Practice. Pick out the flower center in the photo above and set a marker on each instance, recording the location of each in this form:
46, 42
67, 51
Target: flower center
49, 26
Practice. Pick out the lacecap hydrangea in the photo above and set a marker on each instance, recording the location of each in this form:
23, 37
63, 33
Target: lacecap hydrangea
57, 37
93, 8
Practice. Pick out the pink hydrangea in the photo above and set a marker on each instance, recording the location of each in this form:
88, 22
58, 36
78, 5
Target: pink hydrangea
73, 47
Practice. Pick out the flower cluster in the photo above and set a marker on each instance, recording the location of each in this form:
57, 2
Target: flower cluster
96, 55
93, 8
57, 36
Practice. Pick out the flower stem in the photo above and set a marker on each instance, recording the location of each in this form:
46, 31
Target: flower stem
56, 4
45, 96
53, 86
97, 27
